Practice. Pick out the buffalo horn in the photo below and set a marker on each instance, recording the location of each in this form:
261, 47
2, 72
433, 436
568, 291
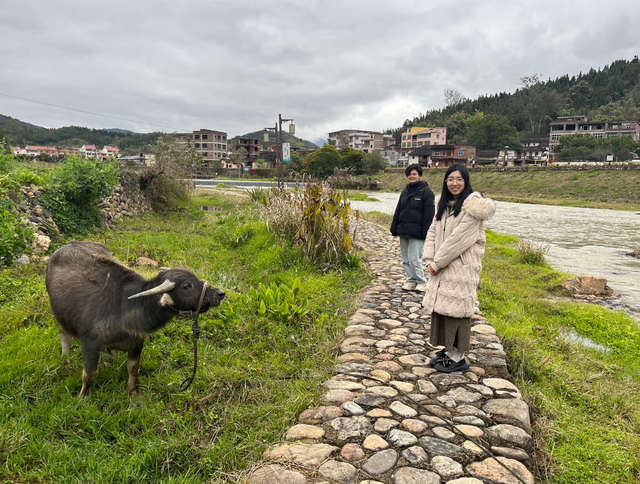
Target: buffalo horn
166, 286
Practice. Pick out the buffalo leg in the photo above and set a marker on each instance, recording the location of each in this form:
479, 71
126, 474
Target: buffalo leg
90, 359
65, 342
133, 366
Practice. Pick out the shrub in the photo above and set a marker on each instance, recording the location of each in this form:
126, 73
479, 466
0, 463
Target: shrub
279, 208
74, 190
531, 252
16, 235
166, 194
324, 232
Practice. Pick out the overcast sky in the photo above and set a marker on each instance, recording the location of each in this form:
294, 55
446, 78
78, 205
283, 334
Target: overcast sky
233, 66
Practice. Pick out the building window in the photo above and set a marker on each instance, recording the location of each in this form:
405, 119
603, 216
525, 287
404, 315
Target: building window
555, 137
597, 135
570, 127
224, 147
557, 127
205, 154
204, 145
197, 136
437, 153
205, 136
197, 145
611, 135
627, 126
460, 152
224, 138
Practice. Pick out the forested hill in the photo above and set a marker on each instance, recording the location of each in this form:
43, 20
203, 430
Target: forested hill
286, 138
610, 93
20, 133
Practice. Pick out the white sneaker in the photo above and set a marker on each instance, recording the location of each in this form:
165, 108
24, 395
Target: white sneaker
409, 286
421, 287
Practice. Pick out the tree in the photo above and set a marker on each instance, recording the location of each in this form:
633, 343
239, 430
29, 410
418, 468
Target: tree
580, 95
352, 158
296, 162
374, 162
322, 161
623, 110
491, 131
173, 159
163, 183
456, 125
238, 157
453, 98
537, 100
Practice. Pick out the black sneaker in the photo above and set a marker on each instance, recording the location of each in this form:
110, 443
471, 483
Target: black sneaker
449, 366
438, 358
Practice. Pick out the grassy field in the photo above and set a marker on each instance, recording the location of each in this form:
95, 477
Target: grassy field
595, 189
585, 402
255, 374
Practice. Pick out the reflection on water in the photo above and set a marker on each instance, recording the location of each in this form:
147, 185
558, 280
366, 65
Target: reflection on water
584, 241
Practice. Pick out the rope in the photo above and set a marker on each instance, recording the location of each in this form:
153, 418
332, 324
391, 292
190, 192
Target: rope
195, 329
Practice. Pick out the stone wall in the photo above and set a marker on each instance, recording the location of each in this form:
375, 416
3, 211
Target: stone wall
126, 200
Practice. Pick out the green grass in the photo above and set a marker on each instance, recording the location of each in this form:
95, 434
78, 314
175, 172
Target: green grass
255, 375
379, 218
591, 188
362, 197
586, 401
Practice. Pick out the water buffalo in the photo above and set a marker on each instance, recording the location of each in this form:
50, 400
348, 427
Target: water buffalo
104, 304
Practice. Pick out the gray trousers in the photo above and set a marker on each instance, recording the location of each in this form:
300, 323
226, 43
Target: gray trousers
411, 250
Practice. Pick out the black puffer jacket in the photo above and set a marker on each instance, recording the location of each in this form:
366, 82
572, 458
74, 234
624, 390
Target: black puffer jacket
414, 212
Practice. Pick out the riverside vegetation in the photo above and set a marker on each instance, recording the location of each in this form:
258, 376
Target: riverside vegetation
613, 189
262, 358
265, 352
585, 401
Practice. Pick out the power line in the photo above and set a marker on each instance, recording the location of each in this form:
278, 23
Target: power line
89, 112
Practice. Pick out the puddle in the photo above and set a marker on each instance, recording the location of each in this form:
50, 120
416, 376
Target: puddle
571, 336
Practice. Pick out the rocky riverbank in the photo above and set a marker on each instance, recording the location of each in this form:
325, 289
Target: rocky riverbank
388, 417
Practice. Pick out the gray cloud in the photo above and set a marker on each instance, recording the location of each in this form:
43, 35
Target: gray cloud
233, 66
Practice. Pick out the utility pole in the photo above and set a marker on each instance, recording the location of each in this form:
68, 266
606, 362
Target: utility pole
279, 151
280, 148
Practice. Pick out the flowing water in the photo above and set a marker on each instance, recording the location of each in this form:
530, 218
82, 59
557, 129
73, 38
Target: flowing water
584, 241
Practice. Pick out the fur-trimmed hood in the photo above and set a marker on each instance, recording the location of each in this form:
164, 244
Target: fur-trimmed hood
479, 207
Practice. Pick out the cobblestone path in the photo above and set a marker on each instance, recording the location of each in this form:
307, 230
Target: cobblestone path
389, 417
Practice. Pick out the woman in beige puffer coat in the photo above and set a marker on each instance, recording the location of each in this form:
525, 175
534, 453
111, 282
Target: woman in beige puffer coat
453, 251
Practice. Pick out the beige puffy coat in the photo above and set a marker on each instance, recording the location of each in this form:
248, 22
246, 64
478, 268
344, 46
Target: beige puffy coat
454, 247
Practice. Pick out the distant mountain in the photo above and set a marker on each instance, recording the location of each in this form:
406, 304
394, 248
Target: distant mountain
286, 138
20, 133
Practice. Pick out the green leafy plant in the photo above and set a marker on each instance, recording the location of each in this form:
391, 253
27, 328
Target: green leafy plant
279, 302
324, 234
16, 234
74, 190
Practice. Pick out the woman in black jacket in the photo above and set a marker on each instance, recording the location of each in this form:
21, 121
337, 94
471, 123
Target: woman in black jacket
411, 223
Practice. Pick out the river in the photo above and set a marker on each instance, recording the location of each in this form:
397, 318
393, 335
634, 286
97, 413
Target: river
583, 241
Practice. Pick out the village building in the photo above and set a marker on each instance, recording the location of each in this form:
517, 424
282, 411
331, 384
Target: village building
211, 144
566, 125
443, 155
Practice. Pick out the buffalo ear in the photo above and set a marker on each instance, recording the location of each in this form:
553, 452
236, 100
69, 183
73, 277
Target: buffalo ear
166, 286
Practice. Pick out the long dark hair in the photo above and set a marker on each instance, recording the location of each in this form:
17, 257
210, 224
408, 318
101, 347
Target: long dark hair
446, 195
